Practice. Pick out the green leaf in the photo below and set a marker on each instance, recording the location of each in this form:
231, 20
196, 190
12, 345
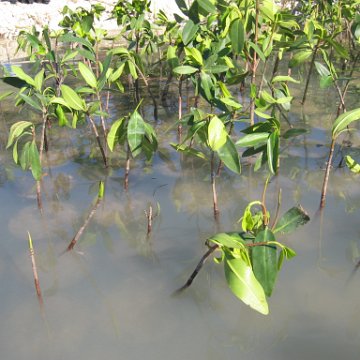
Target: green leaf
299, 58
101, 190
135, 132
189, 32
231, 102
231, 240
182, 6
237, 36
273, 151
326, 81
352, 164
217, 134
206, 85
19, 72
34, 160
254, 139
264, 261
243, 283
38, 80
114, 133
5, 94
24, 159
16, 130
229, 156
30, 101
189, 151
68, 37
194, 55
207, 6
322, 69
61, 116
88, 75
292, 219
281, 78
72, 99
294, 132
344, 120
185, 70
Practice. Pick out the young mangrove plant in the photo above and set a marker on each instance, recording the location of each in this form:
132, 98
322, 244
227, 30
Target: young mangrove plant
252, 258
340, 125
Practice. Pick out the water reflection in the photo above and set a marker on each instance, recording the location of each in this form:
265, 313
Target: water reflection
111, 296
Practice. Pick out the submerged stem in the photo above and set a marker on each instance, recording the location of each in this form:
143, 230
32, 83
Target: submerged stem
327, 173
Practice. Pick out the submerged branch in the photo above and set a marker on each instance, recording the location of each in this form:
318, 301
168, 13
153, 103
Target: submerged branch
197, 270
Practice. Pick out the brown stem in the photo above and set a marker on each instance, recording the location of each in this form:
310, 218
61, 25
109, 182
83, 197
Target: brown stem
98, 140
213, 185
327, 173
149, 216
197, 269
254, 63
85, 224
127, 168
310, 71
35, 273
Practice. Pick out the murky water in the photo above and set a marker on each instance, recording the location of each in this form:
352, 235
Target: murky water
111, 298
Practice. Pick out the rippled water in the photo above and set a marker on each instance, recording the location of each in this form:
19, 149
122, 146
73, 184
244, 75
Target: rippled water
111, 298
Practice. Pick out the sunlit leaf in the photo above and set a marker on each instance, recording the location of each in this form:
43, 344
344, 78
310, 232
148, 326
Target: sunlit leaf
19, 72
273, 152
88, 75
243, 283
16, 130
34, 160
185, 70
216, 133
352, 164
113, 136
344, 120
135, 132
254, 139
31, 101
292, 219
232, 240
72, 99
264, 261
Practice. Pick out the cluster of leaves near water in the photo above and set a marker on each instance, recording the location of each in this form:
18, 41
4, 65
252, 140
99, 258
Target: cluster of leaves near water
217, 46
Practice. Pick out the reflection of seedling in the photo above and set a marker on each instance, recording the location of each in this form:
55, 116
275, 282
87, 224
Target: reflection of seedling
150, 216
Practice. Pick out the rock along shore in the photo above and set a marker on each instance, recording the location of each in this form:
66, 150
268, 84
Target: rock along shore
19, 16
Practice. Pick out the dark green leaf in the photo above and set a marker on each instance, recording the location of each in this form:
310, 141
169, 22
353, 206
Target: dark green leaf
189, 32
229, 156
294, 132
135, 132
237, 36
264, 261
292, 219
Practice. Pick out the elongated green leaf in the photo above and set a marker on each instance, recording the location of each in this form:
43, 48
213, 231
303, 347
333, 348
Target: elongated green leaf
19, 72
243, 283
294, 132
194, 55
254, 139
207, 6
322, 69
352, 164
38, 80
61, 116
113, 136
34, 160
281, 78
31, 101
185, 70
231, 240
88, 75
292, 219
135, 132
16, 130
216, 133
5, 94
299, 58
68, 37
264, 261
206, 86
273, 151
182, 6
189, 32
231, 102
24, 158
237, 36
189, 151
326, 81
72, 99
344, 120
229, 156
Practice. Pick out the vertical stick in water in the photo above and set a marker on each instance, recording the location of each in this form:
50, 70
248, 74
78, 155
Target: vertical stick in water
35, 273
